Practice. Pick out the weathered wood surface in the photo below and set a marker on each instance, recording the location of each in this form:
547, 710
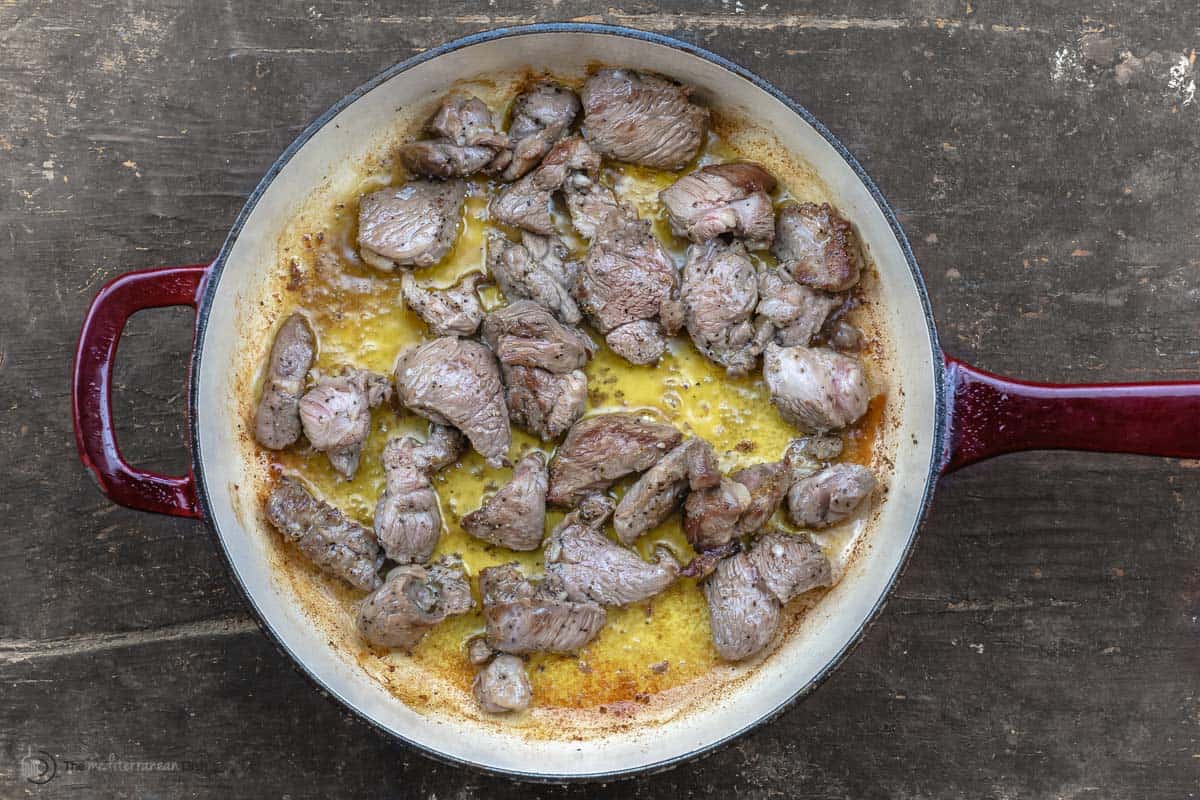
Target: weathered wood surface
1045, 160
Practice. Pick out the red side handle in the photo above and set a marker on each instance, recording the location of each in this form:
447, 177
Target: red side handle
91, 388
991, 415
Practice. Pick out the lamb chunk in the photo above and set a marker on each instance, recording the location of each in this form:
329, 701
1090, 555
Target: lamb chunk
600, 450
526, 203
829, 497
626, 277
817, 247
536, 269
336, 414
503, 686
642, 118
710, 516
448, 312
439, 158
540, 117
524, 618
467, 143
797, 312
719, 296
789, 565
815, 389
277, 419
456, 382
587, 565
808, 455
722, 199
339, 546
526, 334
589, 202
767, 484
412, 225
662, 488
407, 519
543, 403
639, 342
515, 516
845, 337
443, 446
478, 651
412, 600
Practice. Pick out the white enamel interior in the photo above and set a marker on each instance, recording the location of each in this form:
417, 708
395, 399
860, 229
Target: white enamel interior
828, 629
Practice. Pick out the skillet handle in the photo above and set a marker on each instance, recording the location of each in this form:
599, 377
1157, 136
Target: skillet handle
991, 415
91, 388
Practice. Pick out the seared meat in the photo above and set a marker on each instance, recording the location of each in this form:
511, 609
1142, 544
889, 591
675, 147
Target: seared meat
540, 117
830, 496
277, 420
536, 269
589, 202
796, 311
526, 203
413, 225
543, 403
443, 446
600, 450
640, 342
587, 565
526, 334
719, 294
407, 520
845, 337
503, 686
523, 618
767, 484
626, 278
747, 591
808, 455
448, 312
661, 489
467, 143
642, 118
817, 247
705, 561
515, 516
815, 389
479, 652
339, 546
789, 565
710, 516
412, 600
723, 199
336, 414
457, 382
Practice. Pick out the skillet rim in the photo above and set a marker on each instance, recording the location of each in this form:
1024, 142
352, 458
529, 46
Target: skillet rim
937, 360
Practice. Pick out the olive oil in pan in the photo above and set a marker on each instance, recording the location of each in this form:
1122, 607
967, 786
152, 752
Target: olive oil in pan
644, 649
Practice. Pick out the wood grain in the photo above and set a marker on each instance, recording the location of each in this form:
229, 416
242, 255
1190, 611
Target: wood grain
1044, 158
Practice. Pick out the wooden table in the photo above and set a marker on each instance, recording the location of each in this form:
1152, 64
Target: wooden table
1045, 159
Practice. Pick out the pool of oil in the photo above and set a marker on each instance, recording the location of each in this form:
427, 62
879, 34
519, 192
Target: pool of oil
646, 648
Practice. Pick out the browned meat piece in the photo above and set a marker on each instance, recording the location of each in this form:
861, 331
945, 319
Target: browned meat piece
526, 334
815, 389
661, 489
407, 520
626, 277
797, 312
479, 652
767, 484
642, 118
789, 565
589, 202
587, 565
747, 591
723, 199
523, 618
543, 403
515, 516
336, 414
412, 225
808, 455
600, 450
339, 546
817, 247
829, 497
526, 203
845, 337
277, 420
503, 686
443, 446
705, 561
536, 269
540, 117
457, 382
448, 312
467, 143
719, 295
710, 516
412, 600
640, 342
